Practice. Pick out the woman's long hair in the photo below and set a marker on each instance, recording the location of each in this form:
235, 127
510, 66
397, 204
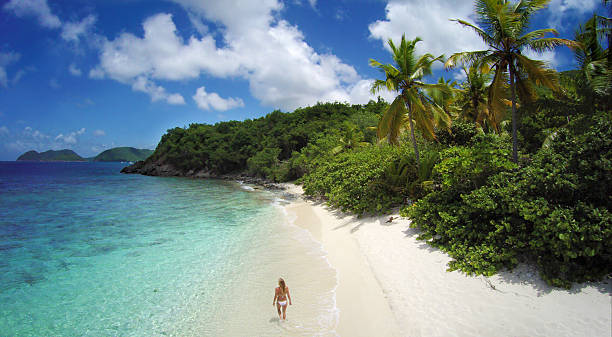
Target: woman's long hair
282, 286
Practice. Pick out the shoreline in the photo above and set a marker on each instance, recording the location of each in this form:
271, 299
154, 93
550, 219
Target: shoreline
390, 284
360, 300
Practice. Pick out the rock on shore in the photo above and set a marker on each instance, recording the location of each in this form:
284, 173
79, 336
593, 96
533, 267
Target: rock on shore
153, 168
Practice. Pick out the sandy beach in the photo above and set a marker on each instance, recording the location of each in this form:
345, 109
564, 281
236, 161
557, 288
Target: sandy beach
390, 284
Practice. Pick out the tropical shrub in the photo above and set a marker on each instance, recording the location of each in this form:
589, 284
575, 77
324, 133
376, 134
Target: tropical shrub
355, 180
460, 133
555, 212
263, 162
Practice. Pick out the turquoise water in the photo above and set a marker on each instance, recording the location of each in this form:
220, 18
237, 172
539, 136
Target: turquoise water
86, 251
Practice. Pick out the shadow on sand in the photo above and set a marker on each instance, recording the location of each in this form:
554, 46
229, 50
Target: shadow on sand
523, 274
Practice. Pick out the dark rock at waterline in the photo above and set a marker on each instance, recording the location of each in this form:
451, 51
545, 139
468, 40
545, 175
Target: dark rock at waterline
163, 170
151, 168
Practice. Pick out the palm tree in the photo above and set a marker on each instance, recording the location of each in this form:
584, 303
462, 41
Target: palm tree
405, 77
472, 99
504, 24
592, 60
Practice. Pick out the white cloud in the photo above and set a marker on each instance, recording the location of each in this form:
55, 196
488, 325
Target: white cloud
96, 73
429, 20
550, 57
32, 134
360, 93
281, 68
313, 3
74, 70
70, 138
206, 101
99, 133
4, 131
459, 75
37, 8
156, 92
162, 54
72, 31
5, 60
559, 9
176, 99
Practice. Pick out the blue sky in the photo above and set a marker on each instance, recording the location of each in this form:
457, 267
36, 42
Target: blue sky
90, 75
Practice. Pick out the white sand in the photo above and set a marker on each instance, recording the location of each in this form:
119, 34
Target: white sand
390, 284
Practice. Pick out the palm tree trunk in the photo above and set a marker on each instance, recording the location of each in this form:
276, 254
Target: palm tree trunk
514, 140
416, 148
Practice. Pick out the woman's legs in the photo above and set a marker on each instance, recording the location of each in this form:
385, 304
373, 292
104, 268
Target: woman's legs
278, 307
285, 311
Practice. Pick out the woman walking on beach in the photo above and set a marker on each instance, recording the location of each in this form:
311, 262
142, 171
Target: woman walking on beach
281, 293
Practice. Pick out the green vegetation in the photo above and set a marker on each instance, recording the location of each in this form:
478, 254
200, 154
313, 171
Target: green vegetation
504, 25
123, 154
60, 155
512, 165
280, 146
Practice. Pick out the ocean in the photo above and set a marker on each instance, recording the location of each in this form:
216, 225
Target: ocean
87, 251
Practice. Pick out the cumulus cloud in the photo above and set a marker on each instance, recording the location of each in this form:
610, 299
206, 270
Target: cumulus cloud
39, 9
72, 31
162, 54
36, 8
156, 92
286, 73
206, 101
96, 73
99, 133
429, 20
70, 138
32, 134
74, 70
5, 60
561, 8
360, 93
32, 139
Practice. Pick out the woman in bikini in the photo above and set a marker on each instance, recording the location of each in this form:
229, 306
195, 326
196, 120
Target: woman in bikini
281, 294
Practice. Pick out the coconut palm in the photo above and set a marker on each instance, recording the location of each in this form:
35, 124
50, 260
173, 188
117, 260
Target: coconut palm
444, 98
502, 25
472, 99
412, 106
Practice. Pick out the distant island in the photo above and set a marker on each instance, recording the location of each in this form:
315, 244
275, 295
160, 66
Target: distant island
123, 154
51, 155
110, 155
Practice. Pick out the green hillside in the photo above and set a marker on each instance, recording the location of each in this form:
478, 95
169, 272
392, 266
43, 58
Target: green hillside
123, 154
51, 155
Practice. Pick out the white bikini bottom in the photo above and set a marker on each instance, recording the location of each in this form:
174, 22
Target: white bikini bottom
282, 303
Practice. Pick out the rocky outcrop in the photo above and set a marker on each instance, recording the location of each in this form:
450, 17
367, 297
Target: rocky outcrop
152, 168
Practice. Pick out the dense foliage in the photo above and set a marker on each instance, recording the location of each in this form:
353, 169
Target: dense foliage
555, 211
264, 145
360, 181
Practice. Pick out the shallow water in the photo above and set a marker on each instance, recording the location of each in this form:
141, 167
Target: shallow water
87, 251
